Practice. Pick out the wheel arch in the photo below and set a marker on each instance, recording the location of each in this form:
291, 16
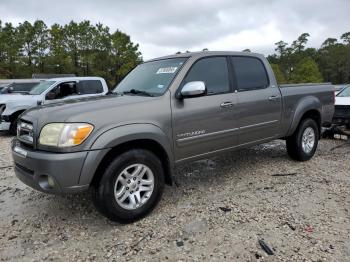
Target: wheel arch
16, 114
308, 107
120, 139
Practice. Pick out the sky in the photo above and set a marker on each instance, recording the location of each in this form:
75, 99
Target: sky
163, 27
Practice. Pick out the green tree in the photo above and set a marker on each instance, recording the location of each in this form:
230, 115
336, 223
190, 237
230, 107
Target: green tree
329, 42
58, 60
346, 38
278, 74
10, 46
299, 44
41, 43
281, 48
306, 71
72, 39
27, 37
125, 55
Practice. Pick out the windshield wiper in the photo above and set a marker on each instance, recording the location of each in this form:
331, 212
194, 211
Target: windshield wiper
137, 92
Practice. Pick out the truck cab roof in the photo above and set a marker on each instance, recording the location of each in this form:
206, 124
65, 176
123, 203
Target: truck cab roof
58, 79
208, 53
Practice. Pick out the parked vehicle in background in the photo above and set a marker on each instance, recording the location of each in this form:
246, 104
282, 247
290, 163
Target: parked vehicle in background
46, 92
2, 86
342, 108
339, 88
167, 111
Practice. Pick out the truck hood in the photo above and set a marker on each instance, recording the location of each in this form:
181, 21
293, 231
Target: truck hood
96, 110
5, 98
342, 101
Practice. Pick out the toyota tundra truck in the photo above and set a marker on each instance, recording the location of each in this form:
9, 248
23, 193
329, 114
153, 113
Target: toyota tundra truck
125, 146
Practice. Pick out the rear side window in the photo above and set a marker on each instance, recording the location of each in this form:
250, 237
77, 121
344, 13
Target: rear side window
86, 87
250, 73
213, 72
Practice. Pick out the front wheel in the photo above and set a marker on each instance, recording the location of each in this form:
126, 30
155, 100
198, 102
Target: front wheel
301, 146
130, 187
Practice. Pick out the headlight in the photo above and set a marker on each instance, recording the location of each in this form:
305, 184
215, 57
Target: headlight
64, 135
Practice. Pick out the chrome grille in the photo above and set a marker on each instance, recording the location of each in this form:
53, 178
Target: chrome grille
25, 132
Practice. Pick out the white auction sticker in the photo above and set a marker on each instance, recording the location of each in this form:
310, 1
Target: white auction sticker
167, 70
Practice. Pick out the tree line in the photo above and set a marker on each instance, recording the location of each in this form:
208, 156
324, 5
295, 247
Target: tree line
75, 48
86, 49
295, 63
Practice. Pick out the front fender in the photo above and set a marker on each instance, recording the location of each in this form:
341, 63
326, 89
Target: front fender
304, 105
13, 108
130, 132
117, 136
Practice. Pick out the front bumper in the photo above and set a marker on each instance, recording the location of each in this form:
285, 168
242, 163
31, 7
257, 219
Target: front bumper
55, 173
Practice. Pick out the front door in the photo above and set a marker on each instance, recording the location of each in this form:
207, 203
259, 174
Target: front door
208, 123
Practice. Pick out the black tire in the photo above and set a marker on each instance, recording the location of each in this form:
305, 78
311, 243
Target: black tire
294, 143
103, 190
13, 127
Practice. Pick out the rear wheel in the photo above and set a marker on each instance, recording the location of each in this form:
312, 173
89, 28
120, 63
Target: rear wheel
130, 187
301, 146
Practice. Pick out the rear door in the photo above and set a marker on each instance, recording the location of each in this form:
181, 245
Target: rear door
89, 88
259, 101
207, 123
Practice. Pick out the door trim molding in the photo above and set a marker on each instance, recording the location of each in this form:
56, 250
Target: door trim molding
259, 124
193, 139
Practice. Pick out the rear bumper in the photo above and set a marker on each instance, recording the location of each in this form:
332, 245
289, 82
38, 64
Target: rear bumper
49, 172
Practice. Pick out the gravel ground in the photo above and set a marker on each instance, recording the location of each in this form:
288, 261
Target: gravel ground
219, 210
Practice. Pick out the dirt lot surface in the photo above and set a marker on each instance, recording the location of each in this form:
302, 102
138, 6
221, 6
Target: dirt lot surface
218, 211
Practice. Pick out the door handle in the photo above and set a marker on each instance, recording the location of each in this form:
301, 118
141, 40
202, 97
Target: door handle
226, 104
273, 98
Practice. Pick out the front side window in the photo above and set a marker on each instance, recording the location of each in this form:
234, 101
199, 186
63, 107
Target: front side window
86, 87
213, 71
62, 90
250, 73
150, 78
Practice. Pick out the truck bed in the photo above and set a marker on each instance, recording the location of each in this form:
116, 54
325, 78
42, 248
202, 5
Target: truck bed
320, 94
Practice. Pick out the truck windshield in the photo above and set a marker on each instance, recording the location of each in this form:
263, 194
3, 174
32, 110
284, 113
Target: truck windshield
150, 78
40, 88
345, 92
18, 88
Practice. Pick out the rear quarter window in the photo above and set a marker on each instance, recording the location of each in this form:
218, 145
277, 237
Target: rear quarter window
86, 87
250, 73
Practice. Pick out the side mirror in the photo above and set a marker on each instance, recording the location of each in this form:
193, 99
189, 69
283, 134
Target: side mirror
193, 89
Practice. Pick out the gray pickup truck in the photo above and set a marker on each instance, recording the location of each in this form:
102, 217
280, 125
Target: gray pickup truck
167, 111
